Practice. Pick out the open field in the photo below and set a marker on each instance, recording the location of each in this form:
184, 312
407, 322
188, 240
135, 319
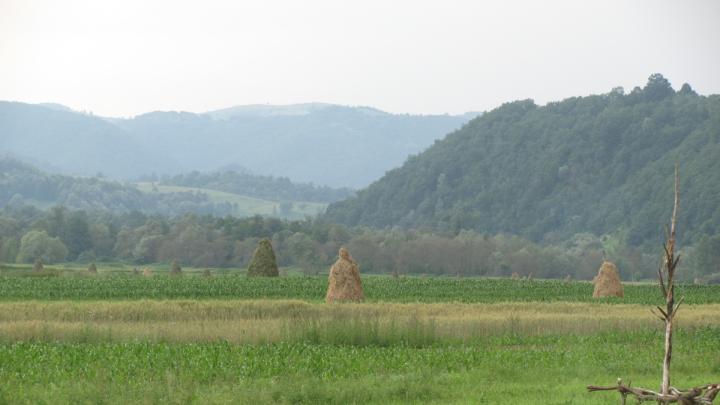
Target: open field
507, 369
80, 286
276, 321
539, 355
67, 337
246, 206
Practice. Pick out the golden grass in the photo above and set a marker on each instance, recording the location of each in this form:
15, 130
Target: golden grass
274, 320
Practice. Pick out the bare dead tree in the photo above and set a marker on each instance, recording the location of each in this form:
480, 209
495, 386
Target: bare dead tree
666, 279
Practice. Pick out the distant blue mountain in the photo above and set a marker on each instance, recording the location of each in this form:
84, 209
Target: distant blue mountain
320, 143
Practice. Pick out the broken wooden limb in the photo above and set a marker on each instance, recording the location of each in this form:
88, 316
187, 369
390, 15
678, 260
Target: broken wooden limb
703, 395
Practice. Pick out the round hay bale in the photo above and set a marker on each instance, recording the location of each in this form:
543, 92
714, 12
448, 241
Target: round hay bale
92, 269
607, 282
147, 272
344, 280
263, 262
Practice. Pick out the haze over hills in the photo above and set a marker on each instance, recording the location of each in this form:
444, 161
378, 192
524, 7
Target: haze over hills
600, 164
324, 144
217, 194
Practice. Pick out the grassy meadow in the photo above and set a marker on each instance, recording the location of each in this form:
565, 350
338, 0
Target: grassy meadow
68, 337
245, 206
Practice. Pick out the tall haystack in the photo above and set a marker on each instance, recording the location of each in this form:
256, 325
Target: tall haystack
175, 268
263, 262
607, 282
38, 266
344, 280
92, 269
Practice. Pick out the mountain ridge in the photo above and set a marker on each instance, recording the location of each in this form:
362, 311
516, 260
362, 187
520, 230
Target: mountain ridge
283, 143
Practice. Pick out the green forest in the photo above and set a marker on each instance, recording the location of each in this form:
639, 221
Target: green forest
600, 164
62, 235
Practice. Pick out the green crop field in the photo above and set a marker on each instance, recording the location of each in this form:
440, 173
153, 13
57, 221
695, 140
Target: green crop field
377, 288
68, 337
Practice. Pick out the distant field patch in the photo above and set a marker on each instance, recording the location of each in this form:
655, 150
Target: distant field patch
244, 206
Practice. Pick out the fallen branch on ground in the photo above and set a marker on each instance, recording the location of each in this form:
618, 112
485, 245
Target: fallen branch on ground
703, 395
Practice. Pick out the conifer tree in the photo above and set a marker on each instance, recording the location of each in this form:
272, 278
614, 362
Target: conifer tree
263, 262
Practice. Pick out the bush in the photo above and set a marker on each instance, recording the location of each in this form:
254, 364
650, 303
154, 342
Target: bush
263, 263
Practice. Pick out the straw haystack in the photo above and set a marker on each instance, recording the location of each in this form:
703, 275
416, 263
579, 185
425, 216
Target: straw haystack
344, 280
147, 272
607, 282
175, 268
38, 266
263, 262
515, 275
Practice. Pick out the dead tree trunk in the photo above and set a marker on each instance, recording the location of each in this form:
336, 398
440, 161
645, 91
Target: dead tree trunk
668, 288
666, 278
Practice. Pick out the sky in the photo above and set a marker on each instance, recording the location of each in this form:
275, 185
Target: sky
127, 57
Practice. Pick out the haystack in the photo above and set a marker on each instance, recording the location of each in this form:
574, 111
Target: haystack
263, 263
175, 268
92, 269
38, 266
515, 275
607, 282
344, 280
147, 272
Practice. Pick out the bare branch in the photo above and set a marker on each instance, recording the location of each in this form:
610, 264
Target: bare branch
677, 305
652, 310
661, 280
675, 205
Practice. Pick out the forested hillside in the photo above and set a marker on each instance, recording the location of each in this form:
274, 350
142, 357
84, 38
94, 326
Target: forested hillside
22, 184
246, 194
600, 164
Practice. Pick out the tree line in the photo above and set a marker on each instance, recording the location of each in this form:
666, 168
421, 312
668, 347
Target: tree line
61, 234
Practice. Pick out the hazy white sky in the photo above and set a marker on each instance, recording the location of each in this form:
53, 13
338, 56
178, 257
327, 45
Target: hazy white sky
125, 57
